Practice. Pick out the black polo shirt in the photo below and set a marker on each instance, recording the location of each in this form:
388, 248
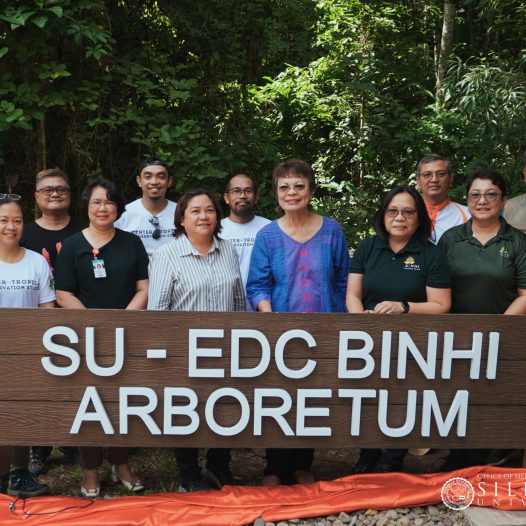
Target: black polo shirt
485, 277
401, 276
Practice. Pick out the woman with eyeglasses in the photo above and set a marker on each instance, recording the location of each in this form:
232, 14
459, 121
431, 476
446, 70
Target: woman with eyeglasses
299, 263
397, 271
487, 257
26, 282
103, 267
198, 271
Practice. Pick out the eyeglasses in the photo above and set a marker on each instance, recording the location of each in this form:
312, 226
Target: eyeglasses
50, 190
237, 192
154, 221
406, 212
429, 175
101, 204
297, 187
474, 197
10, 197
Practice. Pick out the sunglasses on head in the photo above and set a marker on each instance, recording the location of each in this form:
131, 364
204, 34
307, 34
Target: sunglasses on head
11, 197
154, 221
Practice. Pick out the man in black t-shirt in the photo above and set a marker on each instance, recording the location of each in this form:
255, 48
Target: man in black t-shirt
53, 197
45, 236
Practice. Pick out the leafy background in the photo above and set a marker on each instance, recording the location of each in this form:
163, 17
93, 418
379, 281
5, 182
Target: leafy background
222, 87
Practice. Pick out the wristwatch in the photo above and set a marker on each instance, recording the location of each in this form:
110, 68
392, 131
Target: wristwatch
405, 306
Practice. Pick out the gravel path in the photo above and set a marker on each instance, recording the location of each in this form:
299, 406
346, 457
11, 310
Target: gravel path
438, 515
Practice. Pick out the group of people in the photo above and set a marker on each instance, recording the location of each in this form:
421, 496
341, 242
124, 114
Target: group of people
429, 256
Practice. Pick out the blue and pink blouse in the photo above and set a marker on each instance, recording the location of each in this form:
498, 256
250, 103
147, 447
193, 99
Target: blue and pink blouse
300, 277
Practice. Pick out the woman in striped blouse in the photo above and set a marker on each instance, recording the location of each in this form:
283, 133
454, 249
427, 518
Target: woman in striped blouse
197, 271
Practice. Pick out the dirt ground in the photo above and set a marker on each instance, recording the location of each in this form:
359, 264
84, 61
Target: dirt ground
159, 473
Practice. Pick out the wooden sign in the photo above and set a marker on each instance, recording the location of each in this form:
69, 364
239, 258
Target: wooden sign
113, 377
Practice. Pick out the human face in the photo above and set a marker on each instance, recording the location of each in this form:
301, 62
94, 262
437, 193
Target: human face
434, 181
485, 209
11, 224
241, 205
200, 218
401, 228
102, 212
154, 182
54, 203
294, 194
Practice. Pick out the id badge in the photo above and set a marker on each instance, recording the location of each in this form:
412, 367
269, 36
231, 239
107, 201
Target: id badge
98, 268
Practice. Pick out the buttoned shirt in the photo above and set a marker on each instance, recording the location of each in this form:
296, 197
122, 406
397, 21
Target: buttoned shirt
182, 279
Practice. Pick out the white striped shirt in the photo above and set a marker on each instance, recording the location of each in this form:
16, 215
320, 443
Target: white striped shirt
182, 279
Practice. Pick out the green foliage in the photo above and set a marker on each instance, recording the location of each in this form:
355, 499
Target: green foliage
223, 87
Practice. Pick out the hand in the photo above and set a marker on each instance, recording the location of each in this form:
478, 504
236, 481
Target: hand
389, 307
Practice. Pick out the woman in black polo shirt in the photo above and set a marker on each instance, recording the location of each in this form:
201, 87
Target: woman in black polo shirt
397, 271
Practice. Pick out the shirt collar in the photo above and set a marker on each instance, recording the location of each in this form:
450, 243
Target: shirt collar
414, 245
187, 249
504, 232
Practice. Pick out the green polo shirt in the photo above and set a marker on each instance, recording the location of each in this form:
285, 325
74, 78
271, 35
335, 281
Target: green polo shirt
485, 277
401, 276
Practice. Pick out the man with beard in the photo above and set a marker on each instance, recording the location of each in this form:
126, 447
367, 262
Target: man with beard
242, 225
152, 216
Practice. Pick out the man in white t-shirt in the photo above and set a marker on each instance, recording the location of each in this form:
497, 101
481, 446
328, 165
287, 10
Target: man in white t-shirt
434, 178
242, 225
152, 216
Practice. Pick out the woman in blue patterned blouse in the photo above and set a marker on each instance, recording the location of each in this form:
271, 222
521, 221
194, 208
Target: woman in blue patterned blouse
300, 263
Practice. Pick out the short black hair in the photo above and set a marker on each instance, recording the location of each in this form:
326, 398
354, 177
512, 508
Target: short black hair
153, 161
424, 228
112, 193
182, 205
227, 188
431, 158
524, 160
7, 201
489, 174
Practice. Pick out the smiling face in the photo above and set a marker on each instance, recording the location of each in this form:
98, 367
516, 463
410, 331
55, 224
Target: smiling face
485, 200
434, 181
53, 195
11, 224
294, 193
401, 217
102, 212
154, 181
200, 218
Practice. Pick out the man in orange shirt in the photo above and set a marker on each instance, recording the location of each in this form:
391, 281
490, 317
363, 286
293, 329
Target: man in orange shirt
434, 178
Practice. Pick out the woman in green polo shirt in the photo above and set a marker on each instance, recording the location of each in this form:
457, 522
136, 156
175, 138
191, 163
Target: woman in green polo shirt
397, 271
487, 258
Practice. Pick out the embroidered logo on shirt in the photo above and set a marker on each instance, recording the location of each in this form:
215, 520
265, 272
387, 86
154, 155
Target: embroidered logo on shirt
409, 264
504, 252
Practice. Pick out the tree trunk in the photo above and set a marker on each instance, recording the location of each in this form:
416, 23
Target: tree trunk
41, 145
446, 44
